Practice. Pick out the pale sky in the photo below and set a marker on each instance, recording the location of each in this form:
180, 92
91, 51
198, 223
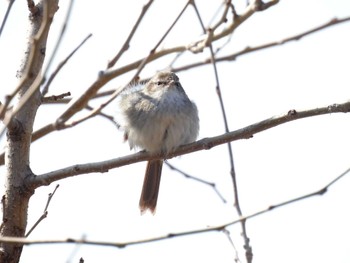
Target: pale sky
274, 166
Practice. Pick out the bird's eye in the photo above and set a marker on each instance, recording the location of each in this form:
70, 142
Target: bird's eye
158, 83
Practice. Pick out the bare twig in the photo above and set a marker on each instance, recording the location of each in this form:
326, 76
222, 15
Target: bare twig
247, 246
204, 144
44, 215
216, 13
74, 251
198, 46
57, 45
41, 218
55, 97
222, 227
223, 19
50, 198
332, 22
228, 235
177, 56
126, 44
188, 176
6, 15
106, 116
228, 5
61, 99
261, 5
234, 56
61, 64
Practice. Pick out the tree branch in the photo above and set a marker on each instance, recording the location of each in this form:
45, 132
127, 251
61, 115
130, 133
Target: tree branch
197, 179
222, 227
61, 64
126, 44
247, 246
10, 3
204, 144
248, 49
44, 214
57, 45
55, 98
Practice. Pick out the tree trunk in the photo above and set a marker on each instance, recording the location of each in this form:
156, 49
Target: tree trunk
19, 132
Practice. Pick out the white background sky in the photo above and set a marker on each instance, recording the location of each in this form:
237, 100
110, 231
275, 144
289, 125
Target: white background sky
274, 166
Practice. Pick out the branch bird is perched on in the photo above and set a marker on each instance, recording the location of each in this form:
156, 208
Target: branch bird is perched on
158, 117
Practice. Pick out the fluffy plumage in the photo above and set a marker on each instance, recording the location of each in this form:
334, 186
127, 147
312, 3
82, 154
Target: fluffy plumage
158, 117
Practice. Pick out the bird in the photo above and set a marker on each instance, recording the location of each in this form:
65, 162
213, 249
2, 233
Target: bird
158, 117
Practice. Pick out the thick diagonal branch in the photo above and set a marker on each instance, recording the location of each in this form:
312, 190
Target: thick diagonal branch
204, 144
